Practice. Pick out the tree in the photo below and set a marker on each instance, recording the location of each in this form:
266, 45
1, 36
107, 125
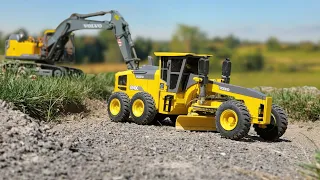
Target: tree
251, 61
188, 39
79, 46
110, 46
2, 43
91, 49
143, 47
307, 46
273, 44
231, 42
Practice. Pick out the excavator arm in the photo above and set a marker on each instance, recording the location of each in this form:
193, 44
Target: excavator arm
53, 48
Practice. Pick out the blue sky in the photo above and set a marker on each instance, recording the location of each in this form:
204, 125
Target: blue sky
289, 20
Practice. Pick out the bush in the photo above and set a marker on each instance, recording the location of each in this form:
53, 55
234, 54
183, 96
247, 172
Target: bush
252, 61
273, 44
47, 97
300, 106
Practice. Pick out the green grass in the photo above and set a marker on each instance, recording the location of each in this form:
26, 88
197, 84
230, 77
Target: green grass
283, 56
46, 98
299, 106
312, 170
286, 60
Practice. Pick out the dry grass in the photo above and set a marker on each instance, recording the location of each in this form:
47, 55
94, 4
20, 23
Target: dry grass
101, 67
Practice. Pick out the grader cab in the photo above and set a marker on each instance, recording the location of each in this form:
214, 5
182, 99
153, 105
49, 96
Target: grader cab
180, 88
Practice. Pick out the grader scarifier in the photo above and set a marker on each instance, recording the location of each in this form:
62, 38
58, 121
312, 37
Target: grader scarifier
179, 88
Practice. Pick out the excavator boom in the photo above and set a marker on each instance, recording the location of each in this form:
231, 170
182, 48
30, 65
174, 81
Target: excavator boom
53, 49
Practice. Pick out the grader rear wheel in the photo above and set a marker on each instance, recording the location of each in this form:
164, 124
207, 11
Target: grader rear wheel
233, 120
118, 107
276, 128
142, 108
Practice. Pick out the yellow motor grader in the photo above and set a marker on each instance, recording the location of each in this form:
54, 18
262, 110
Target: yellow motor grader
179, 88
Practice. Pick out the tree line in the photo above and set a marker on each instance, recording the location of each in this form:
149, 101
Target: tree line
104, 48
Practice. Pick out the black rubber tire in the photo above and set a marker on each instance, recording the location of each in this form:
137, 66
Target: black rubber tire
277, 126
244, 120
124, 113
150, 111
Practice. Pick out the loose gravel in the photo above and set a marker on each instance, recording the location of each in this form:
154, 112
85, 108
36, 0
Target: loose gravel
92, 147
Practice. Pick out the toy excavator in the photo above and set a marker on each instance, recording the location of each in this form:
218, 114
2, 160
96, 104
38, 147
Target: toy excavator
58, 45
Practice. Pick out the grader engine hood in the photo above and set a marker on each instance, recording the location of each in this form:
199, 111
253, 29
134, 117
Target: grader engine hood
257, 102
239, 90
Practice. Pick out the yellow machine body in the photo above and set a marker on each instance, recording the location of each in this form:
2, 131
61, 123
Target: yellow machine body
183, 102
16, 49
20, 47
179, 88
194, 121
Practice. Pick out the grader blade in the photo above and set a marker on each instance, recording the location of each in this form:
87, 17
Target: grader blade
196, 123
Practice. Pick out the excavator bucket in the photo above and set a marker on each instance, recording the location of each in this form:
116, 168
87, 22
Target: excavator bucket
196, 123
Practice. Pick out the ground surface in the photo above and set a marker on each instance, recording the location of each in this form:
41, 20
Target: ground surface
92, 147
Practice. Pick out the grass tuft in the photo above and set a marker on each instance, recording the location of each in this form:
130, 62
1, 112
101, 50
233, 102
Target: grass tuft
299, 105
46, 97
312, 170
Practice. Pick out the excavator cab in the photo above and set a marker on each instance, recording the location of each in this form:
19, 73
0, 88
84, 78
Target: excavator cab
69, 49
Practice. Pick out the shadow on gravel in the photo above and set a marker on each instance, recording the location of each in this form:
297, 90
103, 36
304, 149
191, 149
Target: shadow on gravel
250, 138
164, 123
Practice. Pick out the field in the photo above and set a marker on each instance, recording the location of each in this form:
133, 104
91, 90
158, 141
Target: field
274, 79
246, 79
282, 69
101, 68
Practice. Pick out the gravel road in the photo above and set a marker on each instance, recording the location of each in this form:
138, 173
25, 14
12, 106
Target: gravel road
92, 147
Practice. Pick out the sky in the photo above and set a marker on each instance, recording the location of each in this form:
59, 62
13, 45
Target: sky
288, 20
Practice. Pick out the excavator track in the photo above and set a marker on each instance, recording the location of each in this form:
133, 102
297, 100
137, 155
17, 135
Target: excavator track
39, 69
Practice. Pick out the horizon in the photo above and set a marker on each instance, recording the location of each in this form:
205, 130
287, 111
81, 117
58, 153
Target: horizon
288, 21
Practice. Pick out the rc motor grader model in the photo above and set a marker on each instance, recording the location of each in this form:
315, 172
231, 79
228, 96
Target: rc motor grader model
57, 45
180, 87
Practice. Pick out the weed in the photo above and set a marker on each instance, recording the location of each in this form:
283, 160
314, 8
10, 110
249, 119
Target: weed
47, 97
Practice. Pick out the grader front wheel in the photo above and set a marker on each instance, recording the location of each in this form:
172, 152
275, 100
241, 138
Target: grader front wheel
233, 120
276, 128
